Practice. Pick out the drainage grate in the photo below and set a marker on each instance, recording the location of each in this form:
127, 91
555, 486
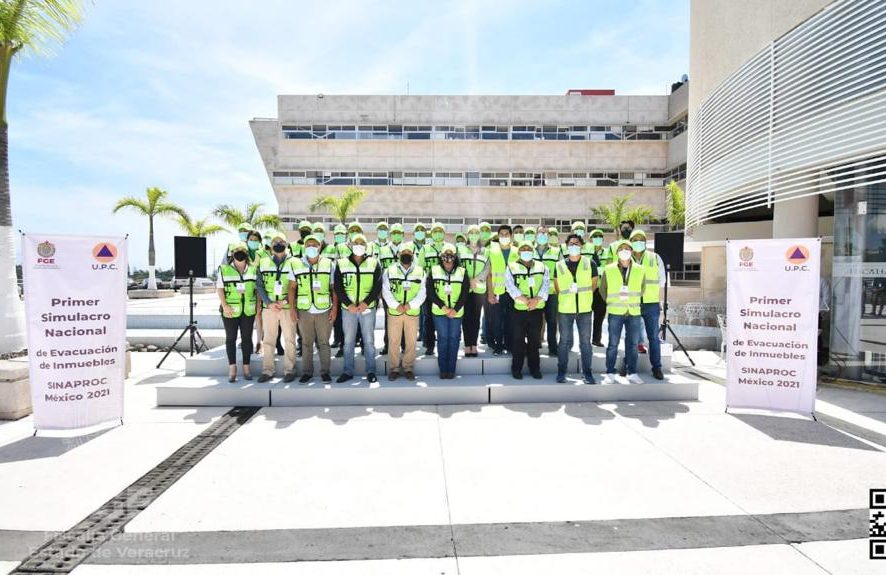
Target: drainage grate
67, 550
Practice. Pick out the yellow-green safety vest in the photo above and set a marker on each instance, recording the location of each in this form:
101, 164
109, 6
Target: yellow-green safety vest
549, 258
239, 288
576, 292
627, 303
448, 288
273, 274
474, 264
405, 287
430, 256
650, 284
313, 284
386, 253
497, 266
358, 282
528, 280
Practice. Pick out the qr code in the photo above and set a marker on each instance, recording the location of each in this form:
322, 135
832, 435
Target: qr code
877, 529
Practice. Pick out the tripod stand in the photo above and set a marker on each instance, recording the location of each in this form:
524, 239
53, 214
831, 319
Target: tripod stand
190, 329
665, 324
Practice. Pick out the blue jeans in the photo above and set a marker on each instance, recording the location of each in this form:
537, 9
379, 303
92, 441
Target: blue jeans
650, 312
500, 323
632, 326
448, 337
583, 321
366, 321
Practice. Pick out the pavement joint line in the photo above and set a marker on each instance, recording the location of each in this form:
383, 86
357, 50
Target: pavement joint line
64, 551
446, 491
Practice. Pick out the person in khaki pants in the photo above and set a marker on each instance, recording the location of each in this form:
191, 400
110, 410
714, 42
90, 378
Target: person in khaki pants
276, 272
316, 306
403, 289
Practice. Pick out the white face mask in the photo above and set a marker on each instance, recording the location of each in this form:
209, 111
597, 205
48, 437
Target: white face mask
504, 241
624, 255
359, 249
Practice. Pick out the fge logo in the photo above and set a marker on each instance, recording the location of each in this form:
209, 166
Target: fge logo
104, 253
796, 257
45, 251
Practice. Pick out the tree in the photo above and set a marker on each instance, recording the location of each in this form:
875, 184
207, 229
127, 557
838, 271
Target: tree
36, 27
197, 228
340, 207
616, 211
676, 206
154, 205
253, 216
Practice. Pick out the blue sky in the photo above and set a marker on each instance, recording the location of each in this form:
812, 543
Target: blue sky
160, 93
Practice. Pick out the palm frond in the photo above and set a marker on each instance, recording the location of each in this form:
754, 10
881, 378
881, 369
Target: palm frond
271, 221
328, 203
252, 211
131, 202
229, 214
38, 25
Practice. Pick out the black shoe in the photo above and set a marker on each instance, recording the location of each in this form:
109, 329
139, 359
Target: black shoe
589, 380
393, 375
370, 377
384, 351
362, 351
561, 379
429, 351
263, 378
248, 376
232, 378
289, 377
597, 344
536, 375
344, 377
516, 374
656, 373
410, 375
552, 352
483, 340
306, 378
340, 352
326, 378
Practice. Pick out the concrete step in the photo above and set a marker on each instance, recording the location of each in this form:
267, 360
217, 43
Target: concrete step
214, 338
213, 391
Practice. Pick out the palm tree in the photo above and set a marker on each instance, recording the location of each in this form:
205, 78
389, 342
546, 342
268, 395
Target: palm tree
253, 216
197, 228
156, 205
616, 211
676, 206
26, 26
340, 207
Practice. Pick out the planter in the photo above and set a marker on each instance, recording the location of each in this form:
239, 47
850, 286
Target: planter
15, 389
150, 293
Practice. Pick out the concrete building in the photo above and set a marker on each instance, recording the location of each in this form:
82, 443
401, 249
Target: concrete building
787, 138
463, 159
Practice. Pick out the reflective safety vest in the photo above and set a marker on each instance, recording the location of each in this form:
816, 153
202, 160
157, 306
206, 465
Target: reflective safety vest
528, 280
650, 284
296, 249
358, 282
313, 284
328, 250
239, 288
497, 266
386, 254
405, 287
626, 302
448, 288
474, 264
275, 278
576, 292
549, 258
602, 258
258, 255
342, 251
430, 256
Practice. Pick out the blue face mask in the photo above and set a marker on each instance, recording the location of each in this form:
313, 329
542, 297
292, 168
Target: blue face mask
598, 241
312, 251
574, 250
580, 233
526, 256
253, 245
419, 235
542, 239
382, 234
340, 238
638, 246
244, 235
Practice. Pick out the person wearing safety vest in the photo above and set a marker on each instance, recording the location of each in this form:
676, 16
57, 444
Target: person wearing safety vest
580, 229
381, 249
528, 283
236, 293
575, 279
304, 230
529, 235
340, 241
403, 290
622, 288
501, 305
549, 255
448, 287
625, 229
358, 287
256, 251
273, 290
601, 256
430, 257
326, 249
485, 233
475, 259
650, 303
315, 306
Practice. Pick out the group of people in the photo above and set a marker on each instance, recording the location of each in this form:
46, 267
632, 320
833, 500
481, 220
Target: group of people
523, 283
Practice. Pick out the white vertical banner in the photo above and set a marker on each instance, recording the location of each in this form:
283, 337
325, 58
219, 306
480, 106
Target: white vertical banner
75, 301
772, 323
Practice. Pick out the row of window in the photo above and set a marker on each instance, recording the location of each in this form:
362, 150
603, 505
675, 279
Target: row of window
452, 224
400, 132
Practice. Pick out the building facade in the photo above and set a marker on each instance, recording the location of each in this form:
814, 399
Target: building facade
464, 159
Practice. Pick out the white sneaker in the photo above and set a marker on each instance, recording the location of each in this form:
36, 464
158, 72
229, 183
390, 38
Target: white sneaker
608, 379
634, 378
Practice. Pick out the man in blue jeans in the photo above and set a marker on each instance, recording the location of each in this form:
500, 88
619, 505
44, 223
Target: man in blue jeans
575, 279
622, 288
650, 306
358, 286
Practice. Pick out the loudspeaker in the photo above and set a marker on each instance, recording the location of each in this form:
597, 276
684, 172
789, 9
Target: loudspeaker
190, 255
669, 245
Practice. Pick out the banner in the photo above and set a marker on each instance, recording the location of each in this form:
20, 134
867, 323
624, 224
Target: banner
772, 323
75, 301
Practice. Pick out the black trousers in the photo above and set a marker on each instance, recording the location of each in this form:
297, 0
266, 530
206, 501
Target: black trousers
599, 308
244, 325
526, 329
500, 322
430, 339
471, 325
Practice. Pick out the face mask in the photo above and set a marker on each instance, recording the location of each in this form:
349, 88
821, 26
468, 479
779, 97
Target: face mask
397, 238
244, 235
382, 234
626, 232
406, 259
473, 238
339, 238
542, 239
598, 241
638, 246
312, 252
352, 235
526, 256
554, 240
254, 245
438, 236
485, 236
624, 255
580, 233
419, 235
358, 249
279, 248
518, 238
530, 238
505, 241
574, 250
240, 256
459, 244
